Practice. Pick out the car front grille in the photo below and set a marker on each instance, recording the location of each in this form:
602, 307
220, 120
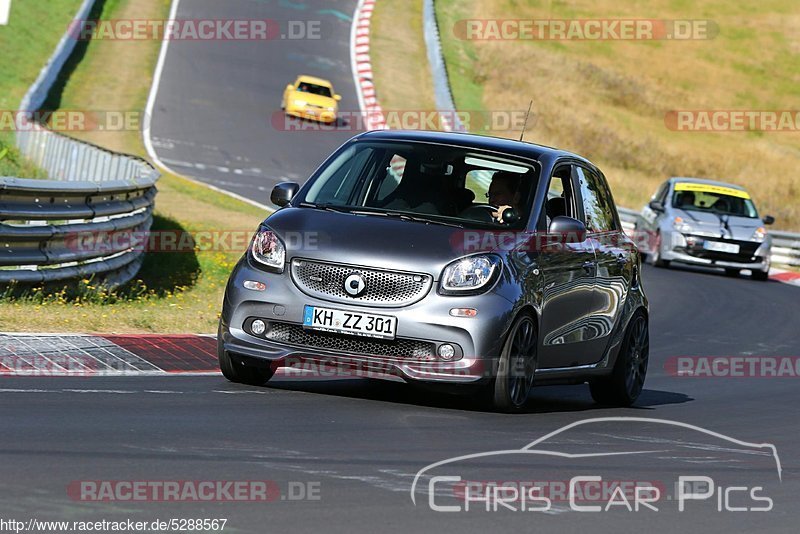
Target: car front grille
382, 287
406, 349
747, 251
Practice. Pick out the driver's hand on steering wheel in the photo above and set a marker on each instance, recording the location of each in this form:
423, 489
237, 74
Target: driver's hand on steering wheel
498, 215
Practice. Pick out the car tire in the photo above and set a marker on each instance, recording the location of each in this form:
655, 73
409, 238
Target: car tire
732, 272
626, 381
762, 276
241, 374
655, 256
517, 366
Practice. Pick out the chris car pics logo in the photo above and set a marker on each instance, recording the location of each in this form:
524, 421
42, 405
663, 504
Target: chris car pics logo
5, 9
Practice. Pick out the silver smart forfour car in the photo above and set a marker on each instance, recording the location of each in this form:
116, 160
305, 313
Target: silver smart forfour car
445, 259
708, 223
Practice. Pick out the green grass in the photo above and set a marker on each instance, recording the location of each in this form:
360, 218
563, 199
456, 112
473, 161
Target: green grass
607, 100
399, 60
27, 42
466, 82
174, 292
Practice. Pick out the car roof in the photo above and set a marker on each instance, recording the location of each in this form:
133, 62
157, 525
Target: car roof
316, 81
481, 142
679, 179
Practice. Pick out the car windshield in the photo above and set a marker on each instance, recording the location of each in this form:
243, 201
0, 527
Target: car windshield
715, 202
314, 89
426, 181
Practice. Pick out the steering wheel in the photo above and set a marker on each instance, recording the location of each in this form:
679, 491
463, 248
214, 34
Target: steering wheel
480, 212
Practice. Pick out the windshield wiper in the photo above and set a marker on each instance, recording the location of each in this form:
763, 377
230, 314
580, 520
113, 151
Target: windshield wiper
415, 218
327, 207
379, 213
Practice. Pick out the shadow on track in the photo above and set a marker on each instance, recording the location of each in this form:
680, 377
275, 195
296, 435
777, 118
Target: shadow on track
545, 399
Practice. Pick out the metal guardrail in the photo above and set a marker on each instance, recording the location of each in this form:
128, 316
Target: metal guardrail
44, 224
441, 81
786, 248
785, 245
47, 227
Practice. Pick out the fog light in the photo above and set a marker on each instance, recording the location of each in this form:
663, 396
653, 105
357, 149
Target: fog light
258, 327
255, 286
446, 351
463, 312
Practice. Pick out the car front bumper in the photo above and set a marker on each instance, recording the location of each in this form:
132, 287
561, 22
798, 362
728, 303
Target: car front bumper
478, 340
319, 363
689, 249
318, 115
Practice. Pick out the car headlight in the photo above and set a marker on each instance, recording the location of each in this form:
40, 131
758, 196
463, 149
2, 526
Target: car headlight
268, 249
682, 226
760, 234
331, 109
301, 103
470, 275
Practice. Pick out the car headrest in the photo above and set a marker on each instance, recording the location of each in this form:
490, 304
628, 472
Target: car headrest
556, 207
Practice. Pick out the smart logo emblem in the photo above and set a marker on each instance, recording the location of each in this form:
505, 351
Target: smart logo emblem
354, 285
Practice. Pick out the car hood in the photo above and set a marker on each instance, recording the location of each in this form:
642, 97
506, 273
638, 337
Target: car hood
741, 228
314, 100
368, 240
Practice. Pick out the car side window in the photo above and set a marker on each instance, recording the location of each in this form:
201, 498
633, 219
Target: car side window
598, 206
560, 199
661, 193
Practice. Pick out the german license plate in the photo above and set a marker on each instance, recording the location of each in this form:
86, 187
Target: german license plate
716, 246
348, 322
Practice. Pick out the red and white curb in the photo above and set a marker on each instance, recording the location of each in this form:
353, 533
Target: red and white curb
107, 355
786, 277
115, 355
362, 66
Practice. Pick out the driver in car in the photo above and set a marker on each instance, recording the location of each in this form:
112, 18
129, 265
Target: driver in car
504, 193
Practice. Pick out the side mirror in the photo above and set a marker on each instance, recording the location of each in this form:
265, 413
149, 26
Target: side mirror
337, 97
290, 87
656, 205
572, 230
283, 193
769, 219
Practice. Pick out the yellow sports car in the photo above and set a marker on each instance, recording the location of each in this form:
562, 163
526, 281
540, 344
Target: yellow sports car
311, 98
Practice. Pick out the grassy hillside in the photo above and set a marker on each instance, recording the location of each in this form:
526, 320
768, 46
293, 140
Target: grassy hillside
27, 42
398, 55
607, 100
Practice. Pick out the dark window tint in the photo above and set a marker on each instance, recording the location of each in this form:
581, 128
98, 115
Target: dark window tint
598, 207
314, 89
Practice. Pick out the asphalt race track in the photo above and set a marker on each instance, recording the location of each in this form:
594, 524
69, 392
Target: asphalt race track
361, 442
216, 116
355, 445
